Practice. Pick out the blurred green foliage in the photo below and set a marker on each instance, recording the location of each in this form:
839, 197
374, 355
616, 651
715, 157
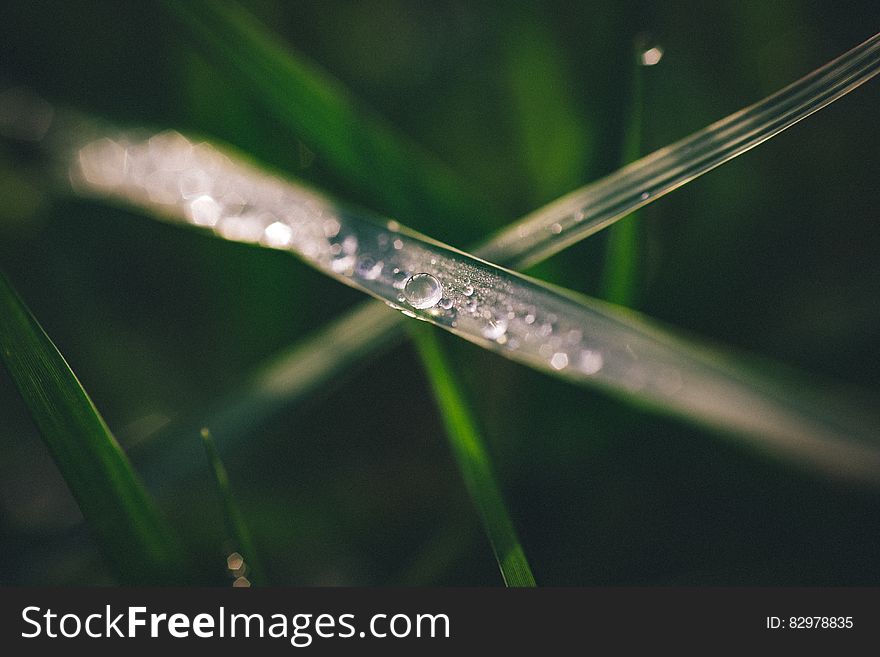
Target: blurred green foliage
774, 253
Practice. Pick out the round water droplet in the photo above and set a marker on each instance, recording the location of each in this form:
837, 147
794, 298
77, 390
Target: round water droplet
445, 303
343, 265
369, 268
349, 244
331, 227
397, 244
651, 56
559, 360
590, 361
468, 290
423, 291
495, 328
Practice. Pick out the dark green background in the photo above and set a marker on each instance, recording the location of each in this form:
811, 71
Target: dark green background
775, 253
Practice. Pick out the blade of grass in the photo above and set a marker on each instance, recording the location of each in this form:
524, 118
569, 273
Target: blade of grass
138, 544
358, 144
620, 272
544, 232
553, 330
596, 206
235, 521
473, 459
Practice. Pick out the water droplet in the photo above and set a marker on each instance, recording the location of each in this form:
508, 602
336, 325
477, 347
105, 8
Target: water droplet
423, 291
529, 319
397, 244
335, 249
445, 303
350, 244
205, 211
559, 360
495, 328
556, 228
590, 361
644, 196
468, 289
343, 265
369, 268
277, 234
331, 228
652, 56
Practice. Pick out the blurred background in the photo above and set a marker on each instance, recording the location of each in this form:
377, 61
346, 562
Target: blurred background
774, 254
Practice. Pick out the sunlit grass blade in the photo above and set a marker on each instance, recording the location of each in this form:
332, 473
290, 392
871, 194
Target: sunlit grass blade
235, 520
517, 244
355, 142
588, 210
473, 459
622, 251
126, 524
536, 236
552, 330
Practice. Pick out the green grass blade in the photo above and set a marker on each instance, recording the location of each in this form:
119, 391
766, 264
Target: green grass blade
473, 460
554, 136
127, 526
620, 273
235, 520
361, 148
547, 328
305, 367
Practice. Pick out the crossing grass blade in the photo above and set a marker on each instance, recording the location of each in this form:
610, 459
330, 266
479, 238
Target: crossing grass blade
235, 519
138, 544
473, 459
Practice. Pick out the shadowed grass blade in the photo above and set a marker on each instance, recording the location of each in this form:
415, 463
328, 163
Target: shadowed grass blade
126, 524
235, 521
473, 459
355, 142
